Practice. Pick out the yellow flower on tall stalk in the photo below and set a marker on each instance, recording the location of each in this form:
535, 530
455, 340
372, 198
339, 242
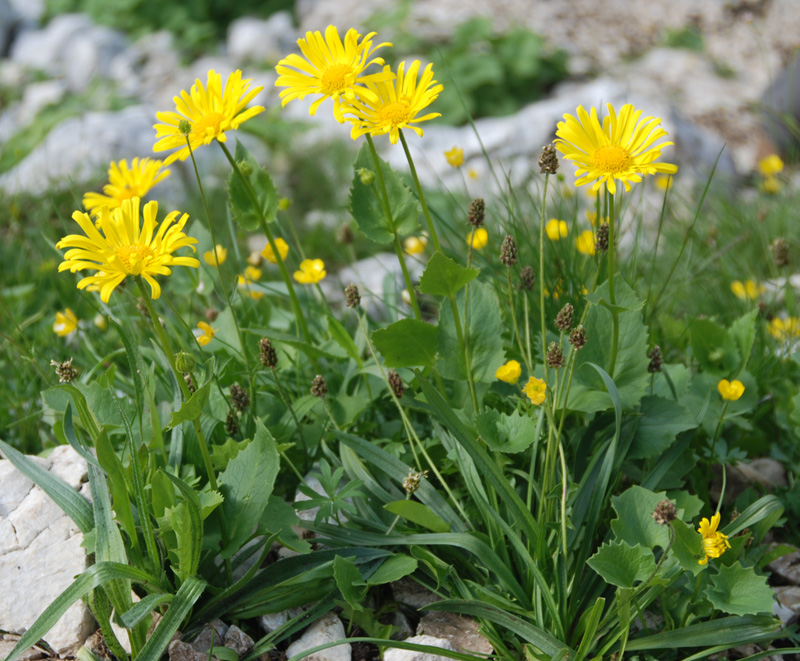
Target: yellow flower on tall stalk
664, 182
330, 67
415, 245
66, 322
269, 254
556, 229
510, 372
621, 148
205, 114
455, 157
125, 182
123, 245
715, 543
395, 103
311, 272
251, 274
770, 185
785, 329
585, 243
215, 257
771, 165
206, 333
536, 390
478, 238
748, 290
730, 391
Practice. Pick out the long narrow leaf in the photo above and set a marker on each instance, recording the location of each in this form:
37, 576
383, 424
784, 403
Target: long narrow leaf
183, 602
193, 508
726, 630
144, 607
427, 650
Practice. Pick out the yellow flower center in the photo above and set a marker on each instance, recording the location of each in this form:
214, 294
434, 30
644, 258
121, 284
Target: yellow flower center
133, 257
612, 159
394, 113
210, 125
336, 79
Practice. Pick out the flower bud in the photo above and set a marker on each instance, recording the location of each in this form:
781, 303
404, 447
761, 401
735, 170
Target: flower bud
508, 251
477, 212
564, 318
65, 371
245, 167
352, 298
577, 337
184, 127
367, 176
268, 355
548, 161
555, 357
527, 278
319, 387
396, 384
239, 397
665, 512
601, 240
656, 360
185, 362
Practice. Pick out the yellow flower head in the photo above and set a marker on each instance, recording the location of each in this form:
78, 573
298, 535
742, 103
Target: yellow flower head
100, 322
730, 390
206, 333
455, 157
536, 390
715, 543
122, 245
125, 182
585, 243
66, 322
472, 173
770, 185
622, 148
510, 372
771, 165
395, 103
331, 68
311, 271
251, 274
556, 229
591, 216
215, 257
269, 254
414, 245
208, 111
664, 181
747, 290
478, 238
784, 330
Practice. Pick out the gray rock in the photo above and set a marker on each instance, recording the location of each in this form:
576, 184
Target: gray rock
30, 11
272, 621
91, 56
327, 629
180, 651
787, 567
40, 552
8, 643
787, 604
238, 640
764, 471
212, 635
45, 49
394, 654
781, 106
461, 631
8, 24
407, 591
314, 484
257, 40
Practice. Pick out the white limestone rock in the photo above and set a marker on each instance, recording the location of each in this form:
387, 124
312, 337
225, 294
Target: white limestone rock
327, 629
394, 654
257, 40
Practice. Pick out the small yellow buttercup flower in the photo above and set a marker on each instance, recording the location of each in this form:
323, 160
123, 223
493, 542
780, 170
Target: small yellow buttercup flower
591, 216
556, 229
585, 243
125, 182
251, 274
269, 254
664, 181
510, 372
748, 290
785, 329
311, 271
771, 165
215, 257
478, 238
730, 390
472, 173
536, 390
455, 157
770, 185
414, 245
100, 322
206, 333
66, 322
715, 543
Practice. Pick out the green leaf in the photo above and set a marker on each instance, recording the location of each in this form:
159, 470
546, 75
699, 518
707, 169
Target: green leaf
278, 519
367, 209
743, 332
246, 485
623, 565
506, 433
350, 582
739, 590
687, 548
636, 524
191, 408
339, 333
407, 343
187, 522
714, 348
239, 196
418, 513
660, 422
443, 277
723, 631
393, 569
185, 598
484, 335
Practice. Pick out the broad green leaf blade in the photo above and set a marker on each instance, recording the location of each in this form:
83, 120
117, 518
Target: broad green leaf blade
75, 506
72, 439
634, 523
339, 333
687, 548
739, 591
723, 631
660, 422
715, 350
418, 513
588, 623
350, 582
393, 569
143, 608
407, 343
623, 565
189, 530
743, 332
184, 600
118, 484
191, 408
241, 197
761, 515
444, 277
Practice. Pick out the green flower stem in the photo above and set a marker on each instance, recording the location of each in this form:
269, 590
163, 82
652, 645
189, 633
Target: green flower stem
425, 211
612, 297
714, 440
514, 322
298, 311
541, 278
407, 277
288, 405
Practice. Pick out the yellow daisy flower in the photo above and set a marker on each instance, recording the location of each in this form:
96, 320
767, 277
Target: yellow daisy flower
771, 165
125, 182
311, 271
206, 112
121, 245
510, 372
66, 322
206, 333
414, 245
455, 157
747, 290
784, 329
478, 238
269, 254
556, 229
395, 104
536, 390
585, 243
251, 274
331, 68
715, 543
622, 148
215, 257
730, 390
